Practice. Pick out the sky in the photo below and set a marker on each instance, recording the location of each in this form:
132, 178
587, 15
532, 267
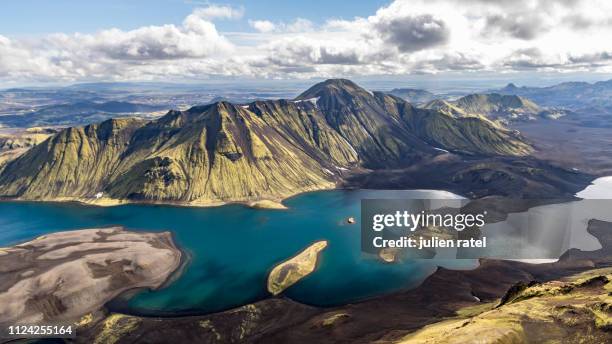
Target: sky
191, 40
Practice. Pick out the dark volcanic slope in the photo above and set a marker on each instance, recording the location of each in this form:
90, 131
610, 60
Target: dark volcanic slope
263, 150
388, 131
479, 177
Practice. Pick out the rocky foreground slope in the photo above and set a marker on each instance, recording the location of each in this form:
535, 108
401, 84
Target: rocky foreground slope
576, 309
263, 150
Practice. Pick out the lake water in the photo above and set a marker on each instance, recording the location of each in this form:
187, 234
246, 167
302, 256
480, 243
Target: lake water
232, 248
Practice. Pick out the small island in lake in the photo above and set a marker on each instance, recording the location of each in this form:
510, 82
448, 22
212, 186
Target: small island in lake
291, 271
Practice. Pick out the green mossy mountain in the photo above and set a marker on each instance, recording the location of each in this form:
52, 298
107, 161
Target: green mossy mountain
494, 106
496, 103
225, 152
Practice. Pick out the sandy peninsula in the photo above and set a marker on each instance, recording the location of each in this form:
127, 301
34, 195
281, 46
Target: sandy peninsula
64, 276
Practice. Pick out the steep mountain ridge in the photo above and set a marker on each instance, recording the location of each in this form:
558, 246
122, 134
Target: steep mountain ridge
224, 152
364, 119
381, 126
204, 155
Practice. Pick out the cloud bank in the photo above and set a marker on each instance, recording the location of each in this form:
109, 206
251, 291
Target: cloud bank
405, 37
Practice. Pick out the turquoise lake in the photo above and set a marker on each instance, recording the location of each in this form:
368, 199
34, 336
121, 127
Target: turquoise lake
232, 248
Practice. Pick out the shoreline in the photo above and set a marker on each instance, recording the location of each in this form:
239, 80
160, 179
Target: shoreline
259, 204
119, 304
185, 259
346, 183
94, 264
267, 204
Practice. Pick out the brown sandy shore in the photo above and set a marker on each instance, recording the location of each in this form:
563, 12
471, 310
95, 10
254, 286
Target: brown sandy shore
64, 276
570, 301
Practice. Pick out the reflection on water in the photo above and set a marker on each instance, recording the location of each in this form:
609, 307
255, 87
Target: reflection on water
601, 188
546, 232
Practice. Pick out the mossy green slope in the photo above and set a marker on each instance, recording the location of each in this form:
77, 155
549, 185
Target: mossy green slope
474, 135
220, 152
76, 161
496, 103
224, 152
492, 105
574, 310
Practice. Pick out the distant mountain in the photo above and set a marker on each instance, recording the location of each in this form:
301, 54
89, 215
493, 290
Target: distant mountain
496, 103
495, 106
413, 95
571, 95
264, 150
76, 113
446, 107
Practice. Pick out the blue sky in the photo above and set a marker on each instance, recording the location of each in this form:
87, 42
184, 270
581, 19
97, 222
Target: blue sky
65, 41
27, 17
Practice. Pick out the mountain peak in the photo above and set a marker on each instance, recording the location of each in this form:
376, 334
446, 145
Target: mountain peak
340, 82
334, 88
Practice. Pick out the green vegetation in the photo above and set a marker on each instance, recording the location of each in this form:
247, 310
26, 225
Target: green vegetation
266, 150
504, 108
573, 310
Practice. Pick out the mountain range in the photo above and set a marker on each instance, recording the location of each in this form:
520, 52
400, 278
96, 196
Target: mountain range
570, 95
76, 113
495, 106
225, 152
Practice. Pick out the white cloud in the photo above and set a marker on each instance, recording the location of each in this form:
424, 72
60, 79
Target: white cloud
218, 12
262, 25
417, 36
296, 26
300, 25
